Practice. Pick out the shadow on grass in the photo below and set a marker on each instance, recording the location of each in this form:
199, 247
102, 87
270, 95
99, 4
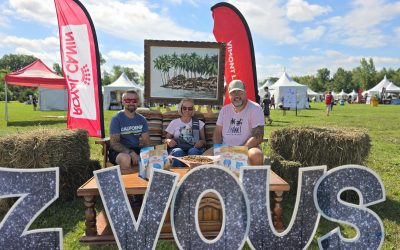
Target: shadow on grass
61, 214
390, 210
36, 123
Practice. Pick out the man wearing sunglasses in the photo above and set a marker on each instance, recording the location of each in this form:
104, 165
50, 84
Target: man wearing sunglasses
126, 129
241, 123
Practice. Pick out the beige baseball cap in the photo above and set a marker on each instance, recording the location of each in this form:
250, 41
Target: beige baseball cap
236, 85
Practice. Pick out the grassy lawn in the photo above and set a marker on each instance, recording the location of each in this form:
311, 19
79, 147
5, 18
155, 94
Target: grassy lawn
382, 123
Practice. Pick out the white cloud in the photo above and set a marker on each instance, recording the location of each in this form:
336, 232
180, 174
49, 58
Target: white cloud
125, 56
139, 20
300, 11
47, 57
310, 34
362, 27
267, 18
43, 11
48, 43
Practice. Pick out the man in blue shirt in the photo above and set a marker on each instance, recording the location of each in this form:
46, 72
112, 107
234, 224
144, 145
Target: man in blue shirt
126, 129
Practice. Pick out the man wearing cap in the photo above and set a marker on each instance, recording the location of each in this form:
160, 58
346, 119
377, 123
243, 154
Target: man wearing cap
241, 123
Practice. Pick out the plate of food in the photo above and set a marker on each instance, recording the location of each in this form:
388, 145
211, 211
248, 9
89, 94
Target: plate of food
196, 160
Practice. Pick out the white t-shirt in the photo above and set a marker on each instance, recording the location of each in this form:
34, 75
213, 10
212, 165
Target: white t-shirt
182, 130
236, 127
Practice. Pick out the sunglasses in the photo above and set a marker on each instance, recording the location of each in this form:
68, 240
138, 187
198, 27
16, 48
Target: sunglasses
187, 108
130, 100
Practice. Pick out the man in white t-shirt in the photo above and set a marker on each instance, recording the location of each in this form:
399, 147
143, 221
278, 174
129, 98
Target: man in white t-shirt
241, 123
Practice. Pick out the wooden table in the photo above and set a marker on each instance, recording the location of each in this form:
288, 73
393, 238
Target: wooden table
98, 230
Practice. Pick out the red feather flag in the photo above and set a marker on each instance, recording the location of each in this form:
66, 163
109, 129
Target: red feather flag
231, 28
81, 67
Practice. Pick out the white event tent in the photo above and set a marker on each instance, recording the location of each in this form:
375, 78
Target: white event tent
112, 92
353, 95
392, 88
342, 94
293, 94
311, 94
377, 89
261, 91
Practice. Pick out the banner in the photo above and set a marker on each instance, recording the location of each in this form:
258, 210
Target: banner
231, 28
81, 66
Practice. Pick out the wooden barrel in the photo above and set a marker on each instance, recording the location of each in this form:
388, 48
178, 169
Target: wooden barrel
210, 120
154, 120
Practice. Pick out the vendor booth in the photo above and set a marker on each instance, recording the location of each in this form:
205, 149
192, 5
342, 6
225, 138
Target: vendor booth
290, 93
36, 74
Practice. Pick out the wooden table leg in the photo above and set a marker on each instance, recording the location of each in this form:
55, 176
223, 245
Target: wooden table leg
277, 211
90, 215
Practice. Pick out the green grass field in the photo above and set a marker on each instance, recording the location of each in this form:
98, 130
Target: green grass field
382, 123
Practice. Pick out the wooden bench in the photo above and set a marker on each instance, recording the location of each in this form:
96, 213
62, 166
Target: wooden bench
159, 122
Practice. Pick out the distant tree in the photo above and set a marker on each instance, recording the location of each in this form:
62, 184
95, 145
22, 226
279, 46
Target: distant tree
57, 69
365, 74
14, 62
342, 79
323, 78
106, 78
310, 81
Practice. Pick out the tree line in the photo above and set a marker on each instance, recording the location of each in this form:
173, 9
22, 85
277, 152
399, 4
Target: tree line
364, 76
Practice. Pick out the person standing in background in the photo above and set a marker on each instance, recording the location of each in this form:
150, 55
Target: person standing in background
328, 102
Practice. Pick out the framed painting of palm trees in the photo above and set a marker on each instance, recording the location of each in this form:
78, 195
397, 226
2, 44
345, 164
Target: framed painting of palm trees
181, 69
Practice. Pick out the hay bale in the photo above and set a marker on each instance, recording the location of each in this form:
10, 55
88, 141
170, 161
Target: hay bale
287, 170
314, 146
43, 148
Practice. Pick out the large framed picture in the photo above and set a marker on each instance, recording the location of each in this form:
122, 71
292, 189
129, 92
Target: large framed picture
181, 69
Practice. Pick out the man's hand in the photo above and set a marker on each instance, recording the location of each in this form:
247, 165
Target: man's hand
200, 144
134, 158
170, 142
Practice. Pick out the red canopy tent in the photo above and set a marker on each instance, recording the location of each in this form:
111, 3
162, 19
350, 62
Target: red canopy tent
36, 74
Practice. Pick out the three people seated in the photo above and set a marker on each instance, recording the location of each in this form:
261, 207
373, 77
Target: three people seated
240, 123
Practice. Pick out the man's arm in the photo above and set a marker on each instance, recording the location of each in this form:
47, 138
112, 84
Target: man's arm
117, 145
257, 136
217, 136
146, 139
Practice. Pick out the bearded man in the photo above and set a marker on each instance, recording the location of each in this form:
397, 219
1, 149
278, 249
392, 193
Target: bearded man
126, 129
241, 123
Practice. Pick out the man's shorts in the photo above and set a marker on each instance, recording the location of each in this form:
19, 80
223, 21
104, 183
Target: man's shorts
112, 155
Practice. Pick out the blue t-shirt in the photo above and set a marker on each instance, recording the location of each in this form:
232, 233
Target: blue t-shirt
129, 129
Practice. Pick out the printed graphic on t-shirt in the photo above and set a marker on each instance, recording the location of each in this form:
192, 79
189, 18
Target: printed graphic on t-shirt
135, 130
186, 134
235, 127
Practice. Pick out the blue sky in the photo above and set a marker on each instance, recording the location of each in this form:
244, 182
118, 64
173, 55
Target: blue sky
301, 36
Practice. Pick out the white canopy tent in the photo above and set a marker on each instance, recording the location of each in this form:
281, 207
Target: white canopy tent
261, 91
312, 94
377, 89
112, 93
353, 94
392, 88
342, 94
293, 94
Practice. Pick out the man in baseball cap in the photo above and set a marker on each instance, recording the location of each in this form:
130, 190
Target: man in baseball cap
241, 123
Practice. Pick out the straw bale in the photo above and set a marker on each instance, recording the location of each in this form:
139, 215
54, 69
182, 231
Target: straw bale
43, 148
287, 170
314, 146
